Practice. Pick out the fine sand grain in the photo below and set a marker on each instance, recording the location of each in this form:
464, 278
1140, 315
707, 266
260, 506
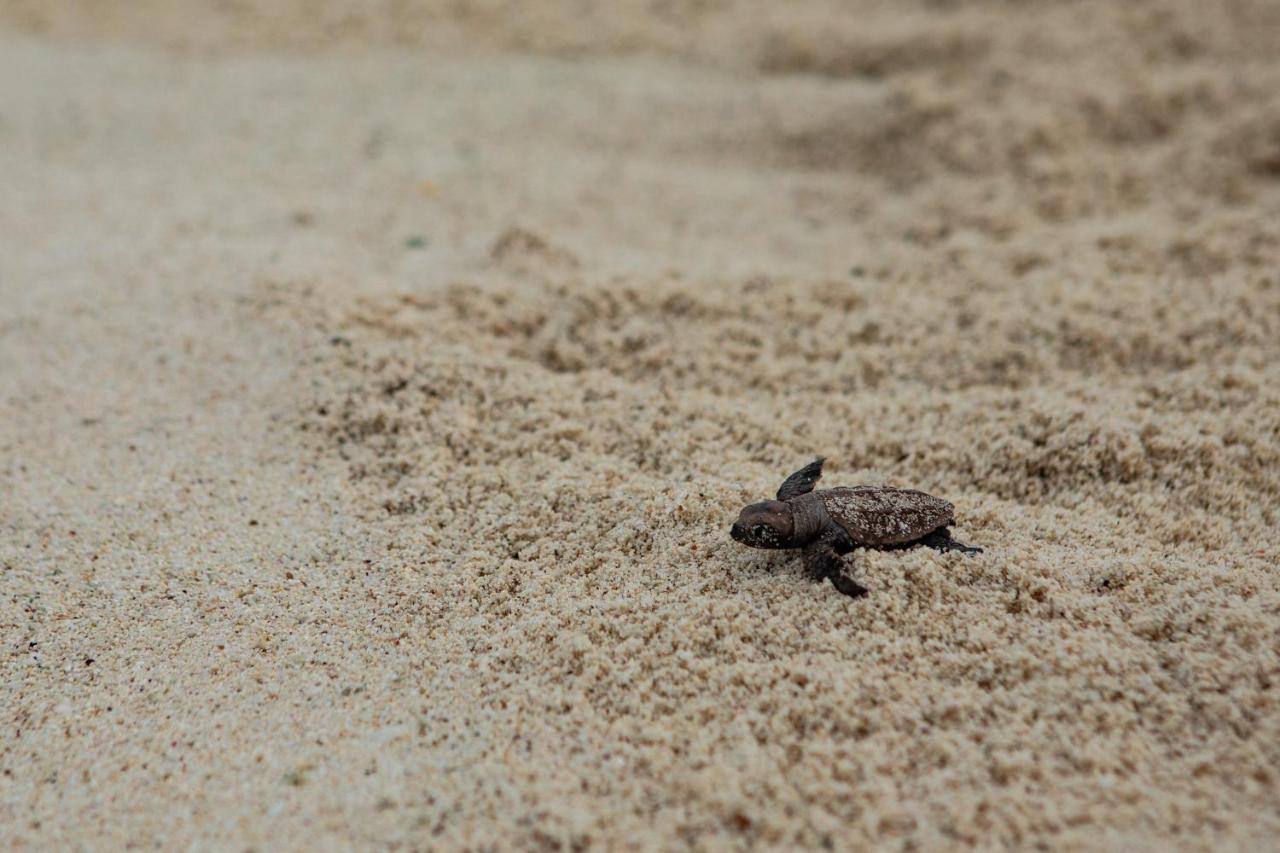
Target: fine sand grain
378, 382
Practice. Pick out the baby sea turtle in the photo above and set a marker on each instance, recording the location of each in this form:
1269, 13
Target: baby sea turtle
830, 523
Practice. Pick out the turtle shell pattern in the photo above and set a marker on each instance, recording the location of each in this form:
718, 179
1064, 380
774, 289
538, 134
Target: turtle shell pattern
880, 515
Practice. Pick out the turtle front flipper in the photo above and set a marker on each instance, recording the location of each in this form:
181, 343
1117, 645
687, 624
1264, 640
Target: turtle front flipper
824, 563
802, 481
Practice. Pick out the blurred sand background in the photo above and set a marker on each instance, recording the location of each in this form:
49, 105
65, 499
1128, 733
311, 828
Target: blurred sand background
378, 381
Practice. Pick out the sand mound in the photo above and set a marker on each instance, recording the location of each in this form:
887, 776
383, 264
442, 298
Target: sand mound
574, 446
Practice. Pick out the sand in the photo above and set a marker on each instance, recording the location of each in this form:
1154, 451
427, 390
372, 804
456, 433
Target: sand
378, 383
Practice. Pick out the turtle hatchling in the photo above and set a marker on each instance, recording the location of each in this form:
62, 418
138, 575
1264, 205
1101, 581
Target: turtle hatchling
829, 523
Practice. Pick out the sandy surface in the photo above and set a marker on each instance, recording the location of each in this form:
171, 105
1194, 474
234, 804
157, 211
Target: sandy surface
378, 381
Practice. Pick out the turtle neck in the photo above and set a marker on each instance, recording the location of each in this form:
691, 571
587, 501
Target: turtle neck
809, 517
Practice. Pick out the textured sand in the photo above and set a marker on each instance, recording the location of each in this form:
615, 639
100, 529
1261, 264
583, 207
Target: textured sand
378, 382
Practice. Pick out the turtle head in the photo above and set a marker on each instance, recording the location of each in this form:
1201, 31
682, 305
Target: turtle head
769, 524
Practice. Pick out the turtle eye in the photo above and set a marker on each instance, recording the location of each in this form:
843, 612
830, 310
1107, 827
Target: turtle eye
760, 531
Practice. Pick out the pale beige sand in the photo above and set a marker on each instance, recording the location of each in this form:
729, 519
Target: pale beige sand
378, 381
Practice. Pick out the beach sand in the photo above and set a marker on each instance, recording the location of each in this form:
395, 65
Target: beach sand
378, 383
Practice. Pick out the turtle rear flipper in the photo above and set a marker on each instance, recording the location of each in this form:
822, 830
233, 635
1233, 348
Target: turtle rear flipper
802, 481
940, 540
